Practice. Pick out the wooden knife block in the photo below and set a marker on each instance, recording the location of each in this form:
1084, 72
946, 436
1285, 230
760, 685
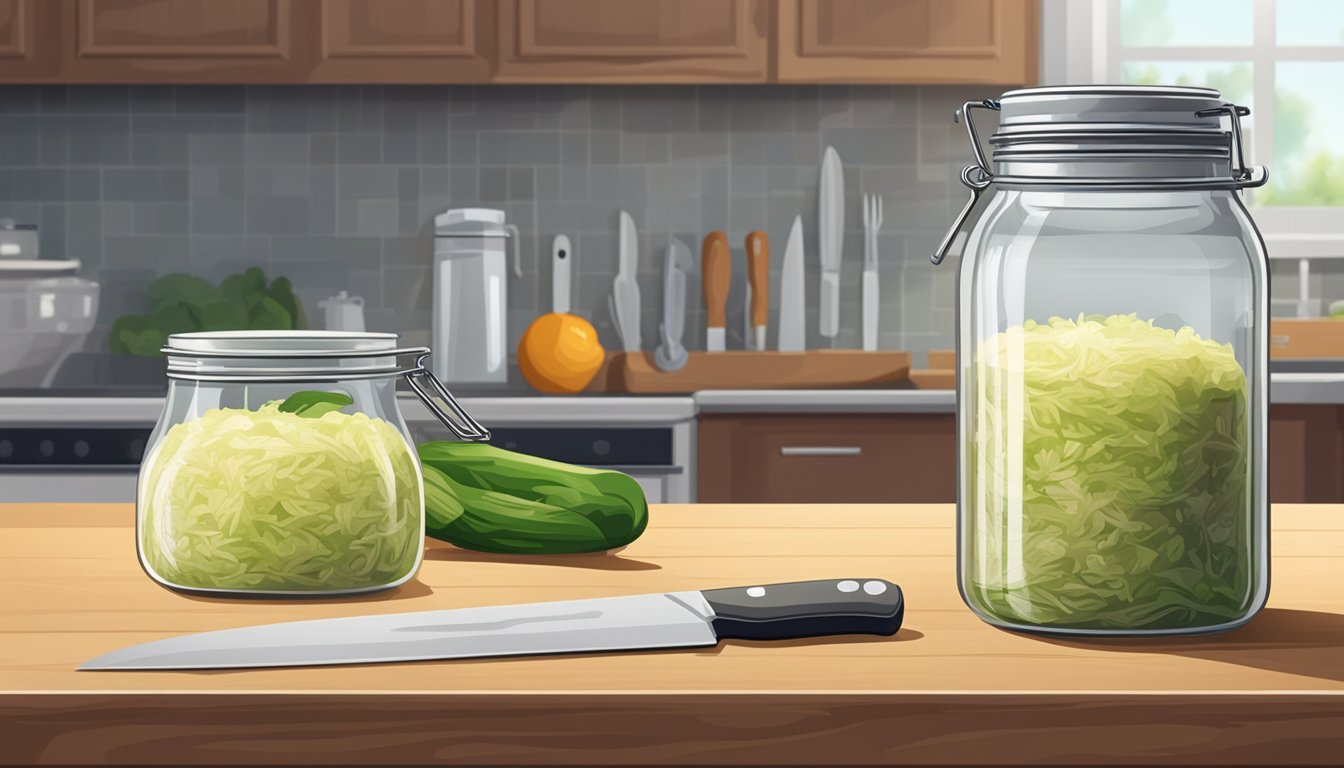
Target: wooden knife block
635, 373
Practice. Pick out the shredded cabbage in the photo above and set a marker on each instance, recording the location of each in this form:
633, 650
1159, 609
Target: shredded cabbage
272, 501
1109, 478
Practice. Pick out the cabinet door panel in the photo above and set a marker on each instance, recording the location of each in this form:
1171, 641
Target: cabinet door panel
930, 41
406, 41
183, 28
29, 41
185, 41
633, 40
16, 29
1306, 450
855, 458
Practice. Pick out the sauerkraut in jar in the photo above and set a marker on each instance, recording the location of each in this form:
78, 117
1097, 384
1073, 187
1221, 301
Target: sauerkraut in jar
281, 466
1112, 353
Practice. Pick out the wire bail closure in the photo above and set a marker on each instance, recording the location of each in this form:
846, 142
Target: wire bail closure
1242, 176
455, 418
976, 177
461, 423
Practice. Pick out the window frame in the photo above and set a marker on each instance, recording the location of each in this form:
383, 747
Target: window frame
1085, 37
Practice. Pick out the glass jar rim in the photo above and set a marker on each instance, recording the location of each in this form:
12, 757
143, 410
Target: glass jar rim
255, 357
287, 355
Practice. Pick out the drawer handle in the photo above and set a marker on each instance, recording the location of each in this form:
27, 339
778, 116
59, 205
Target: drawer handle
820, 450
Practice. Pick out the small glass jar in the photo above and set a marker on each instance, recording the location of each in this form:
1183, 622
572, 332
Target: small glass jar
1112, 375
281, 465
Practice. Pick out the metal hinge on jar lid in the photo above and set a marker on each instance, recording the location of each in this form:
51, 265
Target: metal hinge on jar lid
1107, 138
266, 357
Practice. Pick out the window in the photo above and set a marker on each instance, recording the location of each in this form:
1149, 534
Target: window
1282, 58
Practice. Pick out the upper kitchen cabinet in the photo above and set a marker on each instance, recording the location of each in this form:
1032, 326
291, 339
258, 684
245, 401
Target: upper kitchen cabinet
907, 41
633, 41
405, 41
24, 26
186, 41
518, 41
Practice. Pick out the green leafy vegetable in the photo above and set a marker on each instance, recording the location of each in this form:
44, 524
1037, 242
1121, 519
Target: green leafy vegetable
269, 500
184, 304
485, 498
1108, 484
313, 404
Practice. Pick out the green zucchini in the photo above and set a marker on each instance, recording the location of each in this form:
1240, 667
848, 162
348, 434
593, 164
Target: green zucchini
485, 498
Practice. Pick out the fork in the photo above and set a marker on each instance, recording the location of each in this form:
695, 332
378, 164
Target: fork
872, 224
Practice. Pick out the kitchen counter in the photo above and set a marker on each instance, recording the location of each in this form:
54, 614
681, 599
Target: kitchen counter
1296, 388
500, 411
946, 689
826, 401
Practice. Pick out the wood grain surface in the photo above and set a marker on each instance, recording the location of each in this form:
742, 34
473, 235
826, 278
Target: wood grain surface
636, 373
947, 689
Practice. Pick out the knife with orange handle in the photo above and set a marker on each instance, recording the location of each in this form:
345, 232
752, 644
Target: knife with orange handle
758, 278
715, 275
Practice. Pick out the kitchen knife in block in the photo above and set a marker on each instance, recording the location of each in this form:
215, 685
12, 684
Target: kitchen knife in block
792, 331
635, 622
716, 275
758, 277
830, 239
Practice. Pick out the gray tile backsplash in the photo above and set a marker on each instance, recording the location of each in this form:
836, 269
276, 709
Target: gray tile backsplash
336, 187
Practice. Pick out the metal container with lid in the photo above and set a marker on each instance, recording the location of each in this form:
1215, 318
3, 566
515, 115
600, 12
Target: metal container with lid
471, 297
281, 465
1112, 365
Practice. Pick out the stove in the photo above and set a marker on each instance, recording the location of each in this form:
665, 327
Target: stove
63, 448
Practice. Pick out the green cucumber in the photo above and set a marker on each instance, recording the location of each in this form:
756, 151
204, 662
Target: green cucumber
485, 498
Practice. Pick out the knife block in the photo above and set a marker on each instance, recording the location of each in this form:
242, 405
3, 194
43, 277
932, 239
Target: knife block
635, 373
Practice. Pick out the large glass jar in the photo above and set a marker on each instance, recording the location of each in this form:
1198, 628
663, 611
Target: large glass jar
1112, 374
281, 465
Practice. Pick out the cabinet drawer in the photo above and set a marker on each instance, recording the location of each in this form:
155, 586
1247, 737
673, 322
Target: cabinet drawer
889, 458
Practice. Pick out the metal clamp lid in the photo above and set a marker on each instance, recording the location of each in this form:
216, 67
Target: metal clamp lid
975, 177
1019, 144
1242, 175
455, 418
461, 424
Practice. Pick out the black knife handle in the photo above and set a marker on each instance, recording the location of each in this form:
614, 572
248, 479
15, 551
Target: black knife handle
807, 609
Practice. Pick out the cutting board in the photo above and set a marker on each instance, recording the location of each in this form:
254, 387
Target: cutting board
635, 373
1306, 338
941, 373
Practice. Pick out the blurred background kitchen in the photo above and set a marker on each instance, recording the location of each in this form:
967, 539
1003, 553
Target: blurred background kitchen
171, 165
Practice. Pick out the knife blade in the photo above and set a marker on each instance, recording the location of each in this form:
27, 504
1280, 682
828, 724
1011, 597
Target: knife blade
667, 620
758, 278
830, 236
715, 277
629, 247
792, 295
670, 354
625, 289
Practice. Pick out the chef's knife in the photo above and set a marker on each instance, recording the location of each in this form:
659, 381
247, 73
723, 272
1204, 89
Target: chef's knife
715, 276
669, 620
670, 354
758, 278
625, 289
792, 297
830, 236
629, 248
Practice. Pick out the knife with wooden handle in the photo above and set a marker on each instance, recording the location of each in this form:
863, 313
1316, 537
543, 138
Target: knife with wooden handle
758, 277
716, 275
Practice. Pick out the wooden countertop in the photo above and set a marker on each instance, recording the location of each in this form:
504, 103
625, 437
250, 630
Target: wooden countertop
946, 689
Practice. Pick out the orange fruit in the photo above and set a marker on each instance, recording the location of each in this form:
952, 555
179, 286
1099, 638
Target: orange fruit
560, 353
